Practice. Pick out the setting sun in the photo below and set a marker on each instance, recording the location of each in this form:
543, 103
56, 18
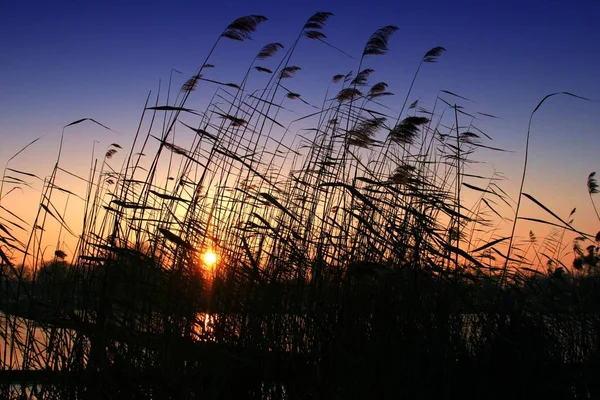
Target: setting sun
209, 258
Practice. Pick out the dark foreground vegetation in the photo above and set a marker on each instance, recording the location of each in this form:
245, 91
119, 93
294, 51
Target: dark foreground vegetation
349, 264
400, 333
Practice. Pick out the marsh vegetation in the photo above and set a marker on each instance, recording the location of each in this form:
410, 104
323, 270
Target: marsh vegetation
347, 263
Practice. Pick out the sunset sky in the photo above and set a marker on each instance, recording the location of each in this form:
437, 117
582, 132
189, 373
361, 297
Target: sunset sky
66, 60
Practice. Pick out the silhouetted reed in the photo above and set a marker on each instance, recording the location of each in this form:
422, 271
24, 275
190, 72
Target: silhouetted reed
348, 266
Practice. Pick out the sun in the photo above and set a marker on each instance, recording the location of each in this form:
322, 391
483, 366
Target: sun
209, 258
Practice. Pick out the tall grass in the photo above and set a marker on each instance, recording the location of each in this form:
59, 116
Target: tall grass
349, 265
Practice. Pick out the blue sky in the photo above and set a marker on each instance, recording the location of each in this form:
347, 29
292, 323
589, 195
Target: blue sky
66, 60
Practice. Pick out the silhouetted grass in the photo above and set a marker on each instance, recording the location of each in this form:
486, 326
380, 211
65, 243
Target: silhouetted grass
348, 264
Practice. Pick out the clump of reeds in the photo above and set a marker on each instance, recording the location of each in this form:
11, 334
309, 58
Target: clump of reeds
348, 266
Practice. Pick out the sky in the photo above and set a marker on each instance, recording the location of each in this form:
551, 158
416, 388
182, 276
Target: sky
65, 60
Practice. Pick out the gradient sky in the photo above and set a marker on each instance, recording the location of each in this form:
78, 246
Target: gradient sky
66, 60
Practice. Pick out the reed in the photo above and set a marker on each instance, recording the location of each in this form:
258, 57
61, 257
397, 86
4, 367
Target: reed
349, 264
